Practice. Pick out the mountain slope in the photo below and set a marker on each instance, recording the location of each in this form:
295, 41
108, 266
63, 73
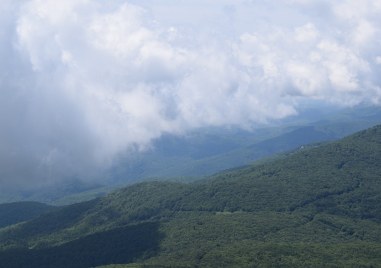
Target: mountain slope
204, 152
207, 151
12, 213
318, 206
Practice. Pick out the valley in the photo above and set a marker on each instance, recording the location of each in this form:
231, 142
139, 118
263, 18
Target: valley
316, 206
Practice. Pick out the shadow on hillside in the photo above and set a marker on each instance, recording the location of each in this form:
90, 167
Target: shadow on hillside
121, 245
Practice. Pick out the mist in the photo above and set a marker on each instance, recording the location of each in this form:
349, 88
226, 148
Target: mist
82, 81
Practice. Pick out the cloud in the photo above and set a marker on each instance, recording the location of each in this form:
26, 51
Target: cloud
82, 81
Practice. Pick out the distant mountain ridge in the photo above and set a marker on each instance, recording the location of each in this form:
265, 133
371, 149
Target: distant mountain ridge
204, 152
318, 206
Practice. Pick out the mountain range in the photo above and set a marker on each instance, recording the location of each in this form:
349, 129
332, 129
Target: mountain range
203, 152
317, 205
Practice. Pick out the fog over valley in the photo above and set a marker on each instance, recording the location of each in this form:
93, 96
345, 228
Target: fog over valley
84, 81
190, 133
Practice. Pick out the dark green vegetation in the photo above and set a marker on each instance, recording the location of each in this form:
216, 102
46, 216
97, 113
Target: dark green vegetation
314, 207
21, 211
120, 245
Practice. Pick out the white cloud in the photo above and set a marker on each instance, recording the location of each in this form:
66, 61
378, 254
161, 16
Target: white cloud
364, 32
306, 33
82, 81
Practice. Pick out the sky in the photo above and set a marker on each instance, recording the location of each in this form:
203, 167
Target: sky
82, 81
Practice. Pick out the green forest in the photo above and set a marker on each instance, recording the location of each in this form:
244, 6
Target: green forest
316, 206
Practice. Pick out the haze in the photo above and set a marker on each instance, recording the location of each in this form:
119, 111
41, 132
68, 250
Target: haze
82, 81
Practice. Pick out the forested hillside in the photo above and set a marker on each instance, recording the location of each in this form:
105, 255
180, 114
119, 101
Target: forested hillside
316, 206
12, 213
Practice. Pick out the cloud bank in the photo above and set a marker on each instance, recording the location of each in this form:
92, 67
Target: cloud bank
84, 80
